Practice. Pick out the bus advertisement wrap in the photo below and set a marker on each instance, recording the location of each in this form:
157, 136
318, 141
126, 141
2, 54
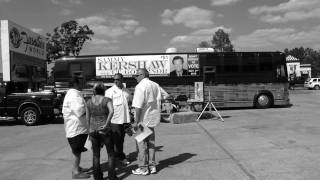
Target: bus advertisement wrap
193, 64
157, 65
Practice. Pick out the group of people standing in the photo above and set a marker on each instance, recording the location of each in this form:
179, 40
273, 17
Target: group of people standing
103, 117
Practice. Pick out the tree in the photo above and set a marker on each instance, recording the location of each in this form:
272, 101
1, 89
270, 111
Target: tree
307, 56
68, 39
296, 52
204, 44
221, 42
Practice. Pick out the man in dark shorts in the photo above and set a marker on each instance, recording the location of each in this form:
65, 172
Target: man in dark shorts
75, 125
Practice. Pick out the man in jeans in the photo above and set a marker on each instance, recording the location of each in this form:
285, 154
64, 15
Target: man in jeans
147, 102
120, 97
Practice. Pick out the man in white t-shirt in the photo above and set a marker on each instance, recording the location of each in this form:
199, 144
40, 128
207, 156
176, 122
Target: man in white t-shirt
75, 124
147, 102
120, 98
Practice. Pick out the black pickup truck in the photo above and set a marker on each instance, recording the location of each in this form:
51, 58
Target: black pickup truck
31, 107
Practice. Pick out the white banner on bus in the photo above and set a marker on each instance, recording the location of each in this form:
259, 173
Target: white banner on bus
157, 65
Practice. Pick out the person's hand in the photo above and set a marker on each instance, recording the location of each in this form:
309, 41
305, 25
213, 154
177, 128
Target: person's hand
140, 126
135, 126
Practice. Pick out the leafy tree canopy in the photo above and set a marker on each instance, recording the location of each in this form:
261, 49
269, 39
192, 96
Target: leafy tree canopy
204, 44
68, 39
221, 42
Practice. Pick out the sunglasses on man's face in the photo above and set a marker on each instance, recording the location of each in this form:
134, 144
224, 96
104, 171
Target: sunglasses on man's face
117, 79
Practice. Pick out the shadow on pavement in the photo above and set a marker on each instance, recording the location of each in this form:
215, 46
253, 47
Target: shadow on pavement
174, 160
11, 123
125, 171
56, 121
212, 115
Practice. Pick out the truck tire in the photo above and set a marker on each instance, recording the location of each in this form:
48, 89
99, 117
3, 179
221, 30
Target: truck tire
30, 116
316, 87
263, 101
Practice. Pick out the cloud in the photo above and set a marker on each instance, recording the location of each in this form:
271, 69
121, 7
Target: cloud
99, 41
109, 30
192, 17
37, 30
66, 2
268, 39
140, 30
292, 10
223, 2
193, 39
92, 48
4, 1
92, 20
66, 12
112, 27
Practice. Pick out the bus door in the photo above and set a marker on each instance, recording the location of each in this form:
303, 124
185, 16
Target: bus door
211, 91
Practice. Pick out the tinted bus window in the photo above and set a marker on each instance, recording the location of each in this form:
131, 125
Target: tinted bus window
61, 67
231, 63
249, 63
265, 63
74, 67
212, 60
88, 69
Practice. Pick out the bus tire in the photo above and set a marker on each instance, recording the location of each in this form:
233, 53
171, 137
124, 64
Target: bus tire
30, 116
263, 101
316, 87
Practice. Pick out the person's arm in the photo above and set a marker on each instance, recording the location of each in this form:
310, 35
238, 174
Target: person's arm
88, 119
130, 97
137, 103
164, 94
88, 116
110, 109
138, 116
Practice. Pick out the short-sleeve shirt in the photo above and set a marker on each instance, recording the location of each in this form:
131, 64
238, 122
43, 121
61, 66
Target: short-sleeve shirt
120, 98
98, 111
73, 110
147, 96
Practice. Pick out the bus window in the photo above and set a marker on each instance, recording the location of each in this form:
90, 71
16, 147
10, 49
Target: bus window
212, 60
88, 69
74, 67
249, 63
231, 63
265, 63
60, 68
209, 74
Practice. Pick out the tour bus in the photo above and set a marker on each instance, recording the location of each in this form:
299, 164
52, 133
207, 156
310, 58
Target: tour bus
228, 79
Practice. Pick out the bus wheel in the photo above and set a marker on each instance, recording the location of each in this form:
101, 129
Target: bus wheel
263, 101
30, 116
316, 87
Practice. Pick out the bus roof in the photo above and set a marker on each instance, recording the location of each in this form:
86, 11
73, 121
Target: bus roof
136, 54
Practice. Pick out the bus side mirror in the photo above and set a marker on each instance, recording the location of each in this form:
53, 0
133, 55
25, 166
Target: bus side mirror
2, 91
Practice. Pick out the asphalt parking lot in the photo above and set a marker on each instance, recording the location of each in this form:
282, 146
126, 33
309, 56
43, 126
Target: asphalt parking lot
277, 143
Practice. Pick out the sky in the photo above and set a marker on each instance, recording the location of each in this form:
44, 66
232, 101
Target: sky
152, 26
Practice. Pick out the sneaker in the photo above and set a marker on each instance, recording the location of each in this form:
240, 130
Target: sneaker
140, 171
85, 170
80, 176
153, 169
